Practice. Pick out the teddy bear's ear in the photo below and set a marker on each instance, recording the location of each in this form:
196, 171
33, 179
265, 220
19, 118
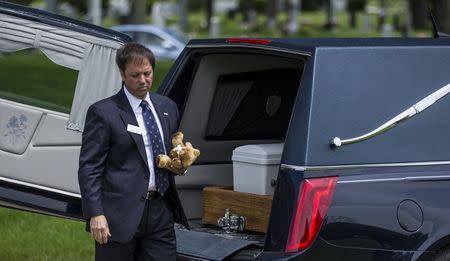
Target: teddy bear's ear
177, 138
177, 134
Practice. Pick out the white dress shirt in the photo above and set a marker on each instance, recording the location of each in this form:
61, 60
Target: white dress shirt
137, 109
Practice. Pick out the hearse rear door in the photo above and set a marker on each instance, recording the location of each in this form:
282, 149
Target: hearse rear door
39, 147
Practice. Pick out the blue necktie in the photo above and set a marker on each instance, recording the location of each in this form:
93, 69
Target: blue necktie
161, 179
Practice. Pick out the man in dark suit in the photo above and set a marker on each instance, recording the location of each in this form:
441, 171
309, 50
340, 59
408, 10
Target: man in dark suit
130, 205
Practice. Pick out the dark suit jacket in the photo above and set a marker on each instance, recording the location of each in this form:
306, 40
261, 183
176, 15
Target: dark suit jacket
113, 172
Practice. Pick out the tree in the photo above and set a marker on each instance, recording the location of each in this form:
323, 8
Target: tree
382, 15
137, 14
354, 6
441, 9
331, 15
244, 6
183, 15
271, 14
209, 12
419, 13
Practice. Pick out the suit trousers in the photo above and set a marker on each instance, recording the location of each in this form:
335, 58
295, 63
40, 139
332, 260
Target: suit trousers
154, 240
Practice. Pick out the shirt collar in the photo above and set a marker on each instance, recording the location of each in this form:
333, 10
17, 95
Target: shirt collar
134, 101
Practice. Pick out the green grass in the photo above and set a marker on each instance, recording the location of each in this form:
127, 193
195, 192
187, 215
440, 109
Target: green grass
30, 236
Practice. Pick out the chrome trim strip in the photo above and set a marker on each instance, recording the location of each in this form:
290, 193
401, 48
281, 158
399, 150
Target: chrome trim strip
22, 183
31, 107
292, 167
20, 207
394, 179
406, 114
379, 165
262, 47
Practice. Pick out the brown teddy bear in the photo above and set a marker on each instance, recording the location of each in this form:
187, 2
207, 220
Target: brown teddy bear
180, 157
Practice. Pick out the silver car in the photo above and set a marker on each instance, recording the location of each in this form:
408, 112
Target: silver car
164, 42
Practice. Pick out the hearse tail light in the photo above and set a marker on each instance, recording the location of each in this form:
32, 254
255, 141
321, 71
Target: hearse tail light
249, 41
312, 205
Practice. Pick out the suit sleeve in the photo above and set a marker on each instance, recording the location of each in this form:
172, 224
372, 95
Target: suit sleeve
93, 155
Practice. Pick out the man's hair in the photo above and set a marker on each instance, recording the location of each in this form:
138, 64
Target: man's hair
133, 52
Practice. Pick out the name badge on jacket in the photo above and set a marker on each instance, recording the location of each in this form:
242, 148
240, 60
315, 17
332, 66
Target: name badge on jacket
134, 129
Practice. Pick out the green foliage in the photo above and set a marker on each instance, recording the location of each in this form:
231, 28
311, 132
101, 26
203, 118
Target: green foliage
196, 5
162, 67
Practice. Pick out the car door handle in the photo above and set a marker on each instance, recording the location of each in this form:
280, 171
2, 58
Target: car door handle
408, 113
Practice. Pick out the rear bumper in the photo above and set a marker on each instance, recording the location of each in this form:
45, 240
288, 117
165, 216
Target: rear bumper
322, 250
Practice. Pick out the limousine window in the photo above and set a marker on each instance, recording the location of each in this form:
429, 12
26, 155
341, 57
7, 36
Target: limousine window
29, 77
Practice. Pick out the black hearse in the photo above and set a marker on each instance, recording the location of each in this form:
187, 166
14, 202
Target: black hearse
365, 166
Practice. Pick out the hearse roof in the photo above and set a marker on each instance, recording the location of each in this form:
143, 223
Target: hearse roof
61, 22
330, 42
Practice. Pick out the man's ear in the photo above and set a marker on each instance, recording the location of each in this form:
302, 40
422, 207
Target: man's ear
122, 74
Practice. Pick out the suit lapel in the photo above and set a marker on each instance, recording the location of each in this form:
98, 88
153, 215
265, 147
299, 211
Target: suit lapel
128, 117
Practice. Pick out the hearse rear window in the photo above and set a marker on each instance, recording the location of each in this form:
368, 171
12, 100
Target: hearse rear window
253, 105
29, 77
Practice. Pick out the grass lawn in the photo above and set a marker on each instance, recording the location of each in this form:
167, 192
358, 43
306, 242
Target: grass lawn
30, 236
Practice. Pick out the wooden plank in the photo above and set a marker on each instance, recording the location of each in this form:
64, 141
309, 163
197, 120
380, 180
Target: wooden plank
255, 208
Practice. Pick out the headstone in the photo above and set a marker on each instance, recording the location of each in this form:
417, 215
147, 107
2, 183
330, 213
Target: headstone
292, 26
387, 30
367, 23
51, 6
214, 30
252, 19
118, 8
95, 12
158, 14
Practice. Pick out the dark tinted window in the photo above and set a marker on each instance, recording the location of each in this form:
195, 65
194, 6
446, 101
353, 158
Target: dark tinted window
253, 105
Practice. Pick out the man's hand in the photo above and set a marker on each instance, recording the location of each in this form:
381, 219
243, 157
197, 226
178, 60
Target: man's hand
179, 171
99, 229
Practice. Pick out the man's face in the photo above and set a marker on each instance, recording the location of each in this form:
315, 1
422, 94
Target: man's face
138, 76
